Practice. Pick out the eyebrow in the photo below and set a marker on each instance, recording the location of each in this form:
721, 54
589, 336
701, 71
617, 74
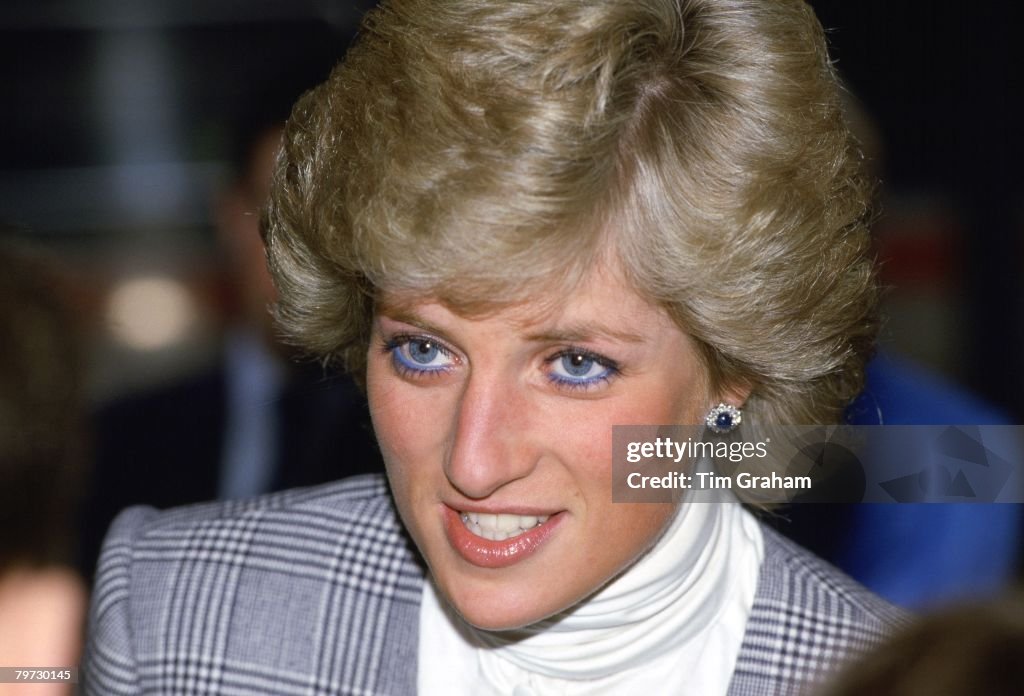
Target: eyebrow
578, 333
572, 333
413, 319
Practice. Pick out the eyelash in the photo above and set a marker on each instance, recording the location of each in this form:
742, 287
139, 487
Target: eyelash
393, 344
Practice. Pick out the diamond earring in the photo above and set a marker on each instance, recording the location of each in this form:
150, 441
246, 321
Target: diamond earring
723, 418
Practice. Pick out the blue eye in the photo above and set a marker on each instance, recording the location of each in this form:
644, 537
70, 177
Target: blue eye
577, 364
577, 368
422, 352
419, 355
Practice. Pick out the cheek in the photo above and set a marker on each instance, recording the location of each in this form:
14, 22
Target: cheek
621, 531
409, 420
660, 403
380, 394
622, 534
587, 440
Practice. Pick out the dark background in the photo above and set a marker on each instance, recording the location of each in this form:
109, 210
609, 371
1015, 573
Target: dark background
943, 83
119, 121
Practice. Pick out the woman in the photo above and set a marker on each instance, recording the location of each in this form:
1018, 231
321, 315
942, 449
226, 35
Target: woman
522, 224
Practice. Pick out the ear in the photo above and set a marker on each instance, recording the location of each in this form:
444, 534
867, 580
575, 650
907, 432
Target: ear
735, 394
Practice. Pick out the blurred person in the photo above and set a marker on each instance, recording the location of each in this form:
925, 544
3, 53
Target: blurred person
519, 225
288, 423
260, 419
42, 460
972, 649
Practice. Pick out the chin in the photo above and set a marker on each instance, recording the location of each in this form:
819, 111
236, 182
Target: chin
489, 620
495, 610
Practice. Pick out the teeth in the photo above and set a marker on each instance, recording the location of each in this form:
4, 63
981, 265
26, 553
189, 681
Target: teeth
507, 523
500, 527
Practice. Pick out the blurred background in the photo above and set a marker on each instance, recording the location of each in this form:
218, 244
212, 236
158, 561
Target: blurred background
119, 131
938, 87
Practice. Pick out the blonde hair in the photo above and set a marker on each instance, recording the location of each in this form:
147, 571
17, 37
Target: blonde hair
490, 149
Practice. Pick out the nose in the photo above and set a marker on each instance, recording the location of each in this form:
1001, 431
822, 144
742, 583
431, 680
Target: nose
491, 441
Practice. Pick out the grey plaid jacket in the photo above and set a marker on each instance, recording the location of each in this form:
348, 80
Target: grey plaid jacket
316, 591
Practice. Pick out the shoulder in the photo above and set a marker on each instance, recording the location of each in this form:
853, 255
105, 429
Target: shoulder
807, 619
254, 583
364, 497
354, 513
307, 531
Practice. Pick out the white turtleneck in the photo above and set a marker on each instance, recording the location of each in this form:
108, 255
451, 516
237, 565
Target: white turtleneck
671, 623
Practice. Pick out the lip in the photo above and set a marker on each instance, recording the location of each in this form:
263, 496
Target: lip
485, 553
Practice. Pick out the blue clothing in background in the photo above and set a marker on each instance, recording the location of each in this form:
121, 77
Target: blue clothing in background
919, 555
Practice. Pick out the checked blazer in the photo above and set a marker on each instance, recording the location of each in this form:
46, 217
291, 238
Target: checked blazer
316, 592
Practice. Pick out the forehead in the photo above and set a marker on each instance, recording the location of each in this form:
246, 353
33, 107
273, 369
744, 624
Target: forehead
600, 302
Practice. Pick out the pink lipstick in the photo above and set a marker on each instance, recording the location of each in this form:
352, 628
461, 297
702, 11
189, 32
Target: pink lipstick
488, 553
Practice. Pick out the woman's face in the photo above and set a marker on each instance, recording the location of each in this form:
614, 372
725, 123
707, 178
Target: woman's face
497, 435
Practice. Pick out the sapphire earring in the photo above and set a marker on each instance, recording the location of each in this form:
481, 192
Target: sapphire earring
723, 418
